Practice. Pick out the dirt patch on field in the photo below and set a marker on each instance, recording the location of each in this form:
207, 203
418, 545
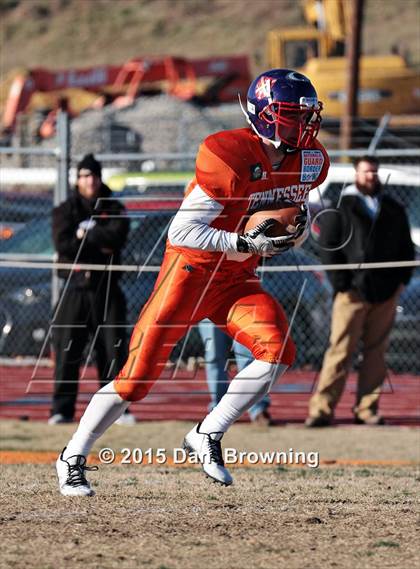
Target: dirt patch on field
372, 444
168, 518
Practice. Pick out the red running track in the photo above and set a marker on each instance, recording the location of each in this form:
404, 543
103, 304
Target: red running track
25, 393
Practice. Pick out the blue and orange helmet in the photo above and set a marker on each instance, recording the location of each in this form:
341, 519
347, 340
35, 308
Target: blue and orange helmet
282, 107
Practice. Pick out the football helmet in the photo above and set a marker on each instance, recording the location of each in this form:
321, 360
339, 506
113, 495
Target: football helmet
282, 107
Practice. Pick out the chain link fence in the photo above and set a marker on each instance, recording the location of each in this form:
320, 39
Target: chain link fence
29, 292
164, 124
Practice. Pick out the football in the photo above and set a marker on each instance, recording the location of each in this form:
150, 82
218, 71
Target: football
285, 220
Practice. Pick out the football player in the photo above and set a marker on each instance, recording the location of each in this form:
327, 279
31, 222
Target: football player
209, 266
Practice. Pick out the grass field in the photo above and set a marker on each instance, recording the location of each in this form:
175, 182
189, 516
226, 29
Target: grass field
357, 512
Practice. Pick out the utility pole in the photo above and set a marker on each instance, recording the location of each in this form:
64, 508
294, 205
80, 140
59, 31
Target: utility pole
61, 191
353, 49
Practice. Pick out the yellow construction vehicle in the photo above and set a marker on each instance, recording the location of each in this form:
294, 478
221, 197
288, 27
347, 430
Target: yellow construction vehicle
386, 83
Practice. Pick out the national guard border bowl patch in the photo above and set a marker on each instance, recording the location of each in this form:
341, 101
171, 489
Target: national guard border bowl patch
312, 163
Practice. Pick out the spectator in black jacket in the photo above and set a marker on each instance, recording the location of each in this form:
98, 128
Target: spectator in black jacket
368, 226
91, 230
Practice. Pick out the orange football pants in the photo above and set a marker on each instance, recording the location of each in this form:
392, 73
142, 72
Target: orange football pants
184, 295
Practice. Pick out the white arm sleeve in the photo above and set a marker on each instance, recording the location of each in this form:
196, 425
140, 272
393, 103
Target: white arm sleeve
190, 227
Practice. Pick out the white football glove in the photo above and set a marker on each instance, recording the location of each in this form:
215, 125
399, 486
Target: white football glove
303, 227
257, 243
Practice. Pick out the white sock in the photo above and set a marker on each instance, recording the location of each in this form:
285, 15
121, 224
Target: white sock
105, 407
246, 388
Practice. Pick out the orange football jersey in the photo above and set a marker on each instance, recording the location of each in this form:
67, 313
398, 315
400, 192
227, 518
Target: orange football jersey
233, 169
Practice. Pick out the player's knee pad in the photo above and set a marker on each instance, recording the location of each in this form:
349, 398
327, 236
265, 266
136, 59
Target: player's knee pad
131, 389
276, 351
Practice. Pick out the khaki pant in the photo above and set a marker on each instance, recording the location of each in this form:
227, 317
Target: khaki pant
354, 320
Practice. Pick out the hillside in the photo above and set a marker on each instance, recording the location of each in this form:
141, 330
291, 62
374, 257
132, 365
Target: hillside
81, 33
63, 33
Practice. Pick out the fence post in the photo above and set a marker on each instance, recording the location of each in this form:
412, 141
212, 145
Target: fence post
61, 190
63, 164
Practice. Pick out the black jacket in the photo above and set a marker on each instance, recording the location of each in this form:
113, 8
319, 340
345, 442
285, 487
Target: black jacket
110, 232
360, 237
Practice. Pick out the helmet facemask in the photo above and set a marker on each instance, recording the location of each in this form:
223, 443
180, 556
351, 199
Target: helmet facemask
295, 125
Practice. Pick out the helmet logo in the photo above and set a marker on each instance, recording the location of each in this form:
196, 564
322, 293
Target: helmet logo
250, 107
263, 87
295, 76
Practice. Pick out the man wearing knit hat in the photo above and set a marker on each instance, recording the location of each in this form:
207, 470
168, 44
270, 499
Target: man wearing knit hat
88, 228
